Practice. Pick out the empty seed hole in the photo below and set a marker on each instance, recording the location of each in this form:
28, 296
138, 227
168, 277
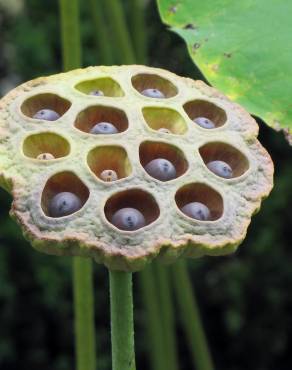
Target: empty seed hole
151, 150
197, 110
105, 85
109, 163
203, 194
136, 199
63, 182
54, 103
218, 151
45, 145
90, 117
165, 118
145, 81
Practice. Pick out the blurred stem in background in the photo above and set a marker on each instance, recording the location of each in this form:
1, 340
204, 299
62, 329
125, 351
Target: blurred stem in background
138, 30
82, 267
190, 316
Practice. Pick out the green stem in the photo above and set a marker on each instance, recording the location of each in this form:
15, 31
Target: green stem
153, 319
167, 316
122, 325
191, 317
101, 33
122, 41
82, 267
138, 30
84, 314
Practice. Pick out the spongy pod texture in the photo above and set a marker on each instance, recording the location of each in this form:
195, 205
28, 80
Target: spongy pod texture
77, 148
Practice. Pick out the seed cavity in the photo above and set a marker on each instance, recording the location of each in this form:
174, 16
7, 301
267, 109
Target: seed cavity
103, 86
200, 202
154, 86
45, 146
205, 113
161, 160
224, 160
46, 107
101, 120
131, 209
109, 162
165, 120
63, 195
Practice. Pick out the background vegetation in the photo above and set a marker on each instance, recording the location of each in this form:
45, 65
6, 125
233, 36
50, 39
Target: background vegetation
245, 298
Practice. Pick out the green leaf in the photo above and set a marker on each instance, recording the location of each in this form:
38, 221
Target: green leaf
244, 48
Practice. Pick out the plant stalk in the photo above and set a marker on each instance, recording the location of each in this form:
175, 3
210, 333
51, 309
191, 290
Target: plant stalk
138, 30
190, 315
122, 321
82, 267
166, 316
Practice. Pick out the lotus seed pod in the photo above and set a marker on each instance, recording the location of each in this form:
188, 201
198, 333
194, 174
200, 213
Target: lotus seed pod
64, 204
221, 169
96, 93
196, 210
153, 93
109, 175
128, 219
161, 169
105, 128
204, 122
94, 220
47, 115
45, 156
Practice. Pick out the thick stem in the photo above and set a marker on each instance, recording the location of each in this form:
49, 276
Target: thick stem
84, 314
122, 41
153, 319
190, 315
82, 267
122, 325
167, 316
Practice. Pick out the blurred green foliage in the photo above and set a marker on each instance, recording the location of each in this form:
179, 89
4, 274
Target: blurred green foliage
245, 298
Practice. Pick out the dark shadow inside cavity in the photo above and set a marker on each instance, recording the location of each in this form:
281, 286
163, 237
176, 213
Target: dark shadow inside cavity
107, 85
160, 118
46, 142
111, 157
133, 198
45, 101
150, 150
224, 152
89, 117
143, 81
63, 182
199, 192
203, 108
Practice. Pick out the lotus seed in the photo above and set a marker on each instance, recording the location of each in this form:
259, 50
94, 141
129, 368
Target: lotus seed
221, 169
47, 115
128, 219
153, 93
204, 122
164, 130
96, 93
104, 128
64, 204
196, 210
109, 175
45, 156
161, 169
